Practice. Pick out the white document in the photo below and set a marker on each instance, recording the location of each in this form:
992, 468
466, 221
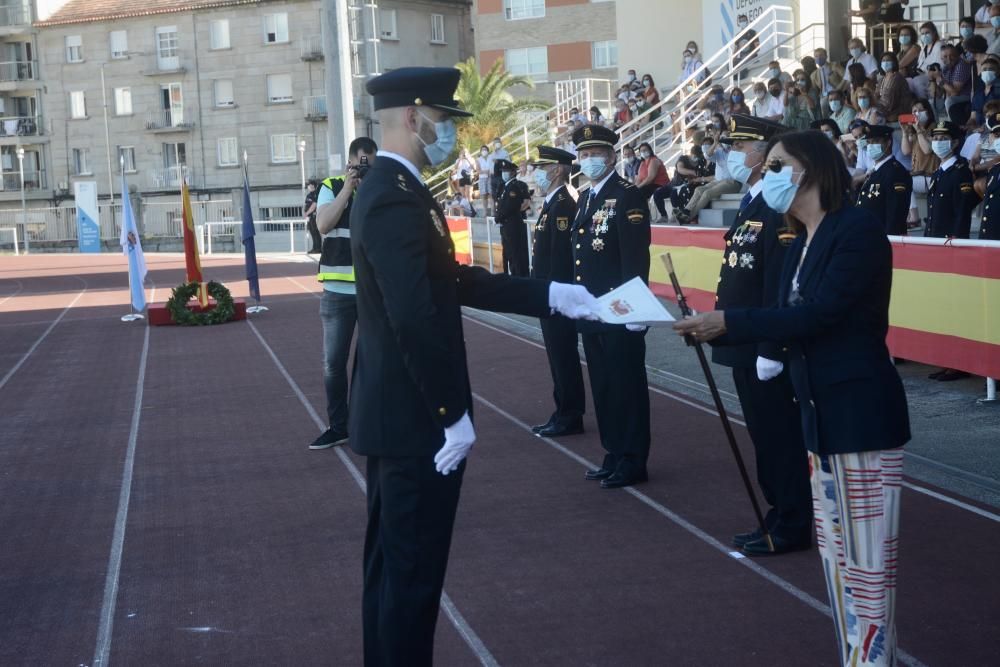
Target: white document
633, 303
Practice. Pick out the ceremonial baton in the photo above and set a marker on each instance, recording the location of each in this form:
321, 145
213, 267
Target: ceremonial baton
726, 426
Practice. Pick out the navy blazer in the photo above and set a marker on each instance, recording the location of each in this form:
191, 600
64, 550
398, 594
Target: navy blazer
849, 392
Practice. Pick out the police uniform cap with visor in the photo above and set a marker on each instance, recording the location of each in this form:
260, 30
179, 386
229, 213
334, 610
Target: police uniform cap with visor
551, 155
878, 132
948, 128
594, 136
750, 128
432, 87
506, 165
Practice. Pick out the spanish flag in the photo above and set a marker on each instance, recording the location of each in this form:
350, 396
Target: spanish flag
191, 259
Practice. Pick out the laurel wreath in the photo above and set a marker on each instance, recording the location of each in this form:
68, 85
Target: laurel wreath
184, 316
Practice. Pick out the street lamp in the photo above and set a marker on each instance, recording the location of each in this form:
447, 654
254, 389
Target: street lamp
24, 210
302, 163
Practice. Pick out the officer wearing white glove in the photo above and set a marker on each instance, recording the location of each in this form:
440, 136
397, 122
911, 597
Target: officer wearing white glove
768, 369
458, 440
573, 301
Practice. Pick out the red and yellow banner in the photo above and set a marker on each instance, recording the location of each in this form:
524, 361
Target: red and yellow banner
945, 307
192, 261
459, 229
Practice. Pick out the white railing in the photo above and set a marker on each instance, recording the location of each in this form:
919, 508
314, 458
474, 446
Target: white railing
165, 219
19, 70
234, 229
584, 94
13, 231
312, 47
33, 180
170, 177
181, 119
20, 126
314, 106
14, 15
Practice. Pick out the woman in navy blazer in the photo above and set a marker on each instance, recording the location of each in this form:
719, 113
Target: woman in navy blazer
833, 317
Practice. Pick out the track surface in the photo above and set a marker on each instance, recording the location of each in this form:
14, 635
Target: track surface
237, 545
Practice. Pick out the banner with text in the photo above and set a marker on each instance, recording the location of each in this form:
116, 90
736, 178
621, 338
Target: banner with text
88, 228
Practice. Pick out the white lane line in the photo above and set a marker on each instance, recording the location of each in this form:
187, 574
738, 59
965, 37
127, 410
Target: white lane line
302, 287
105, 629
711, 411
20, 286
726, 550
52, 326
451, 611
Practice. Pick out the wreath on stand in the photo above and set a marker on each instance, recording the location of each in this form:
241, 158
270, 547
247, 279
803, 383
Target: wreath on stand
182, 315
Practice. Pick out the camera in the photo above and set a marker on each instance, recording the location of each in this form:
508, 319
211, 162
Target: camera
361, 169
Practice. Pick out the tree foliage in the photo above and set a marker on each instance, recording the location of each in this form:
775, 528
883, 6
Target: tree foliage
488, 97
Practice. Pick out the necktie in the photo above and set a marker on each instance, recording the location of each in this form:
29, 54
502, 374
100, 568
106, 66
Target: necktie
591, 198
747, 198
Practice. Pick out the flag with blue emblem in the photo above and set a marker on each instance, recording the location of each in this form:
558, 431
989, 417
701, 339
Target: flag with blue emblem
249, 248
132, 248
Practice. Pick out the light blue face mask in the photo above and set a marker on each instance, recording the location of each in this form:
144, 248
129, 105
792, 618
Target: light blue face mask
966, 32
875, 151
542, 179
442, 147
593, 167
856, 53
904, 40
988, 75
862, 144
941, 148
779, 190
736, 164
995, 21
926, 38
836, 105
864, 102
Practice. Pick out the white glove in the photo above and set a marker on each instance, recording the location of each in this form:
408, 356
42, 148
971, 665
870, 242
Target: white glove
768, 369
638, 328
573, 301
458, 439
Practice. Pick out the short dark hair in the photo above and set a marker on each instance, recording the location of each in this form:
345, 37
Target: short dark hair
976, 44
824, 166
362, 145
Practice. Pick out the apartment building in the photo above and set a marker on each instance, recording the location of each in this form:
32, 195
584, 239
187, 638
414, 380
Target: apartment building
23, 134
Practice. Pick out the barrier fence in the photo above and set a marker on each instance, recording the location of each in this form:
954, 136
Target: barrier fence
210, 234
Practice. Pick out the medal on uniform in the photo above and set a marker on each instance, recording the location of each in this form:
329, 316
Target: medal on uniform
746, 260
438, 222
540, 225
597, 245
733, 259
401, 182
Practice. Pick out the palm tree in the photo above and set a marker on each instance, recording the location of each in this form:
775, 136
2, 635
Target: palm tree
488, 97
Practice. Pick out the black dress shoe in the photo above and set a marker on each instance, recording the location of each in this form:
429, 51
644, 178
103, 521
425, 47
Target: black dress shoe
540, 427
951, 375
620, 479
556, 430
598, 473
760, 547
742, 538
935, 375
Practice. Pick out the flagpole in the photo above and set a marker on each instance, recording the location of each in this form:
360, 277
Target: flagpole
132, 315
259, 308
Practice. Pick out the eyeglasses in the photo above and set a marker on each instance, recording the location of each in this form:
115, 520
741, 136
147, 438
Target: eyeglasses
776, 164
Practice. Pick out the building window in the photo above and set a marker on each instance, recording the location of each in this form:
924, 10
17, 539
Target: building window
605, 54
275, 28
81, 162
387, 24
77, 104
279, 88
283, 148
523, 9
166, 42
126, 157
437, 28
119, 44
533, 62
227, 151
218, 34
123, 101
74, 49
224, 93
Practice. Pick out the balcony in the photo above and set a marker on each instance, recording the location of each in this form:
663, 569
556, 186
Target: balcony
33, 180
170, 120
312, 48
314, 107
14, 16
169, 178
21, 126
18, 70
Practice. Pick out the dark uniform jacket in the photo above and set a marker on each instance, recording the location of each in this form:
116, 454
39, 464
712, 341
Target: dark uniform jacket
751, 274
610, 240
508, 204
989, 228
552, 253
849, 392
886, 193
950, 201
410, 379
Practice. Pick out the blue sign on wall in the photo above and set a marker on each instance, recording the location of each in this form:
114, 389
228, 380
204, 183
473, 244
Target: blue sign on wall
88, 229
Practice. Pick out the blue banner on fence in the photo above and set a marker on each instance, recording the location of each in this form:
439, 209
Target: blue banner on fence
88, 229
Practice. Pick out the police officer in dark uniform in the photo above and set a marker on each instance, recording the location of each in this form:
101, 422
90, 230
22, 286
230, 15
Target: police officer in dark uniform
611, 237
888, 187
411, 402
552, 259
951, 196
989, 226
511, 203
750, 278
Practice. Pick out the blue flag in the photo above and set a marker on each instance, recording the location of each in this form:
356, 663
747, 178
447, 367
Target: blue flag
133, 250
249, 249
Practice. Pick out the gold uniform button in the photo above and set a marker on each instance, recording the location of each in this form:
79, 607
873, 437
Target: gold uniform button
729, 243
579, 278
442, 412
581, 231
577, 246
578, 262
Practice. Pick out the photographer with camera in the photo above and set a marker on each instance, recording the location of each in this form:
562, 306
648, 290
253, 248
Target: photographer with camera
338, 309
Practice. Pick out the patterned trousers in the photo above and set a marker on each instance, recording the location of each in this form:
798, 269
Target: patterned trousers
856, 508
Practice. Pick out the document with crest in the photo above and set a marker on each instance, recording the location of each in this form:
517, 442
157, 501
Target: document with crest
633, 303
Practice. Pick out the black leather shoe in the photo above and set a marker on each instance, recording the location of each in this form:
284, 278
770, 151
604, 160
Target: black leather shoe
541, 427
935, 375
951, 375
598, 473
760, 547
556, 430
743, 538
619, 480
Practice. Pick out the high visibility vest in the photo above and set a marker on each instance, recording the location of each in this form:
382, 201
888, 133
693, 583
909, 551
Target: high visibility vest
335, 262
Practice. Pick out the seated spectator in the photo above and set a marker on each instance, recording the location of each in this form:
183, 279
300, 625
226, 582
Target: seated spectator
859, 82
578, 118
982, 17
827, 78
985, 155
975, 54
894, 96
800, 110
832, 131
916, 143
678, 189
856, 145
736, 103
709, 188
966, 28
774, 72
630, 164
632, 81
860, 56
461, 206
776, 100
747, 44
867, 110
596, 116
953, 82
650, 96
930, 57
715, 101
804, 83
909, 51
761, 100
840, 113
988, 91
993, 36
652, 172
689, 66
695, 51
622, 114
633, 112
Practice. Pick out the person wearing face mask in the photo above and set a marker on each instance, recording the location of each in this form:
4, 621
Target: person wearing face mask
909, 51
866, 109
989, 225
801, 103
633, 82
886, 190
752, 260
860, 56
776, 101
761, 105
894, 96
737, 104
652, 173
484, 168
988, 90
711, 187
832, 315
650, 97
993, 37
916, 143
552, 259
410, 394
952, 196
826, 78
747, 45
496, 181
630, 164
513, 199
984, 155
840, 113
611, 237
622, 114
691, 67
929, 58
982, 17
953, 82
831, 131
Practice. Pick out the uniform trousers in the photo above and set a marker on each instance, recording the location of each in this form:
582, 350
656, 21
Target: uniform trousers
411, 512
856, 506
775, 425
514, 237
616, 364
560, 336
